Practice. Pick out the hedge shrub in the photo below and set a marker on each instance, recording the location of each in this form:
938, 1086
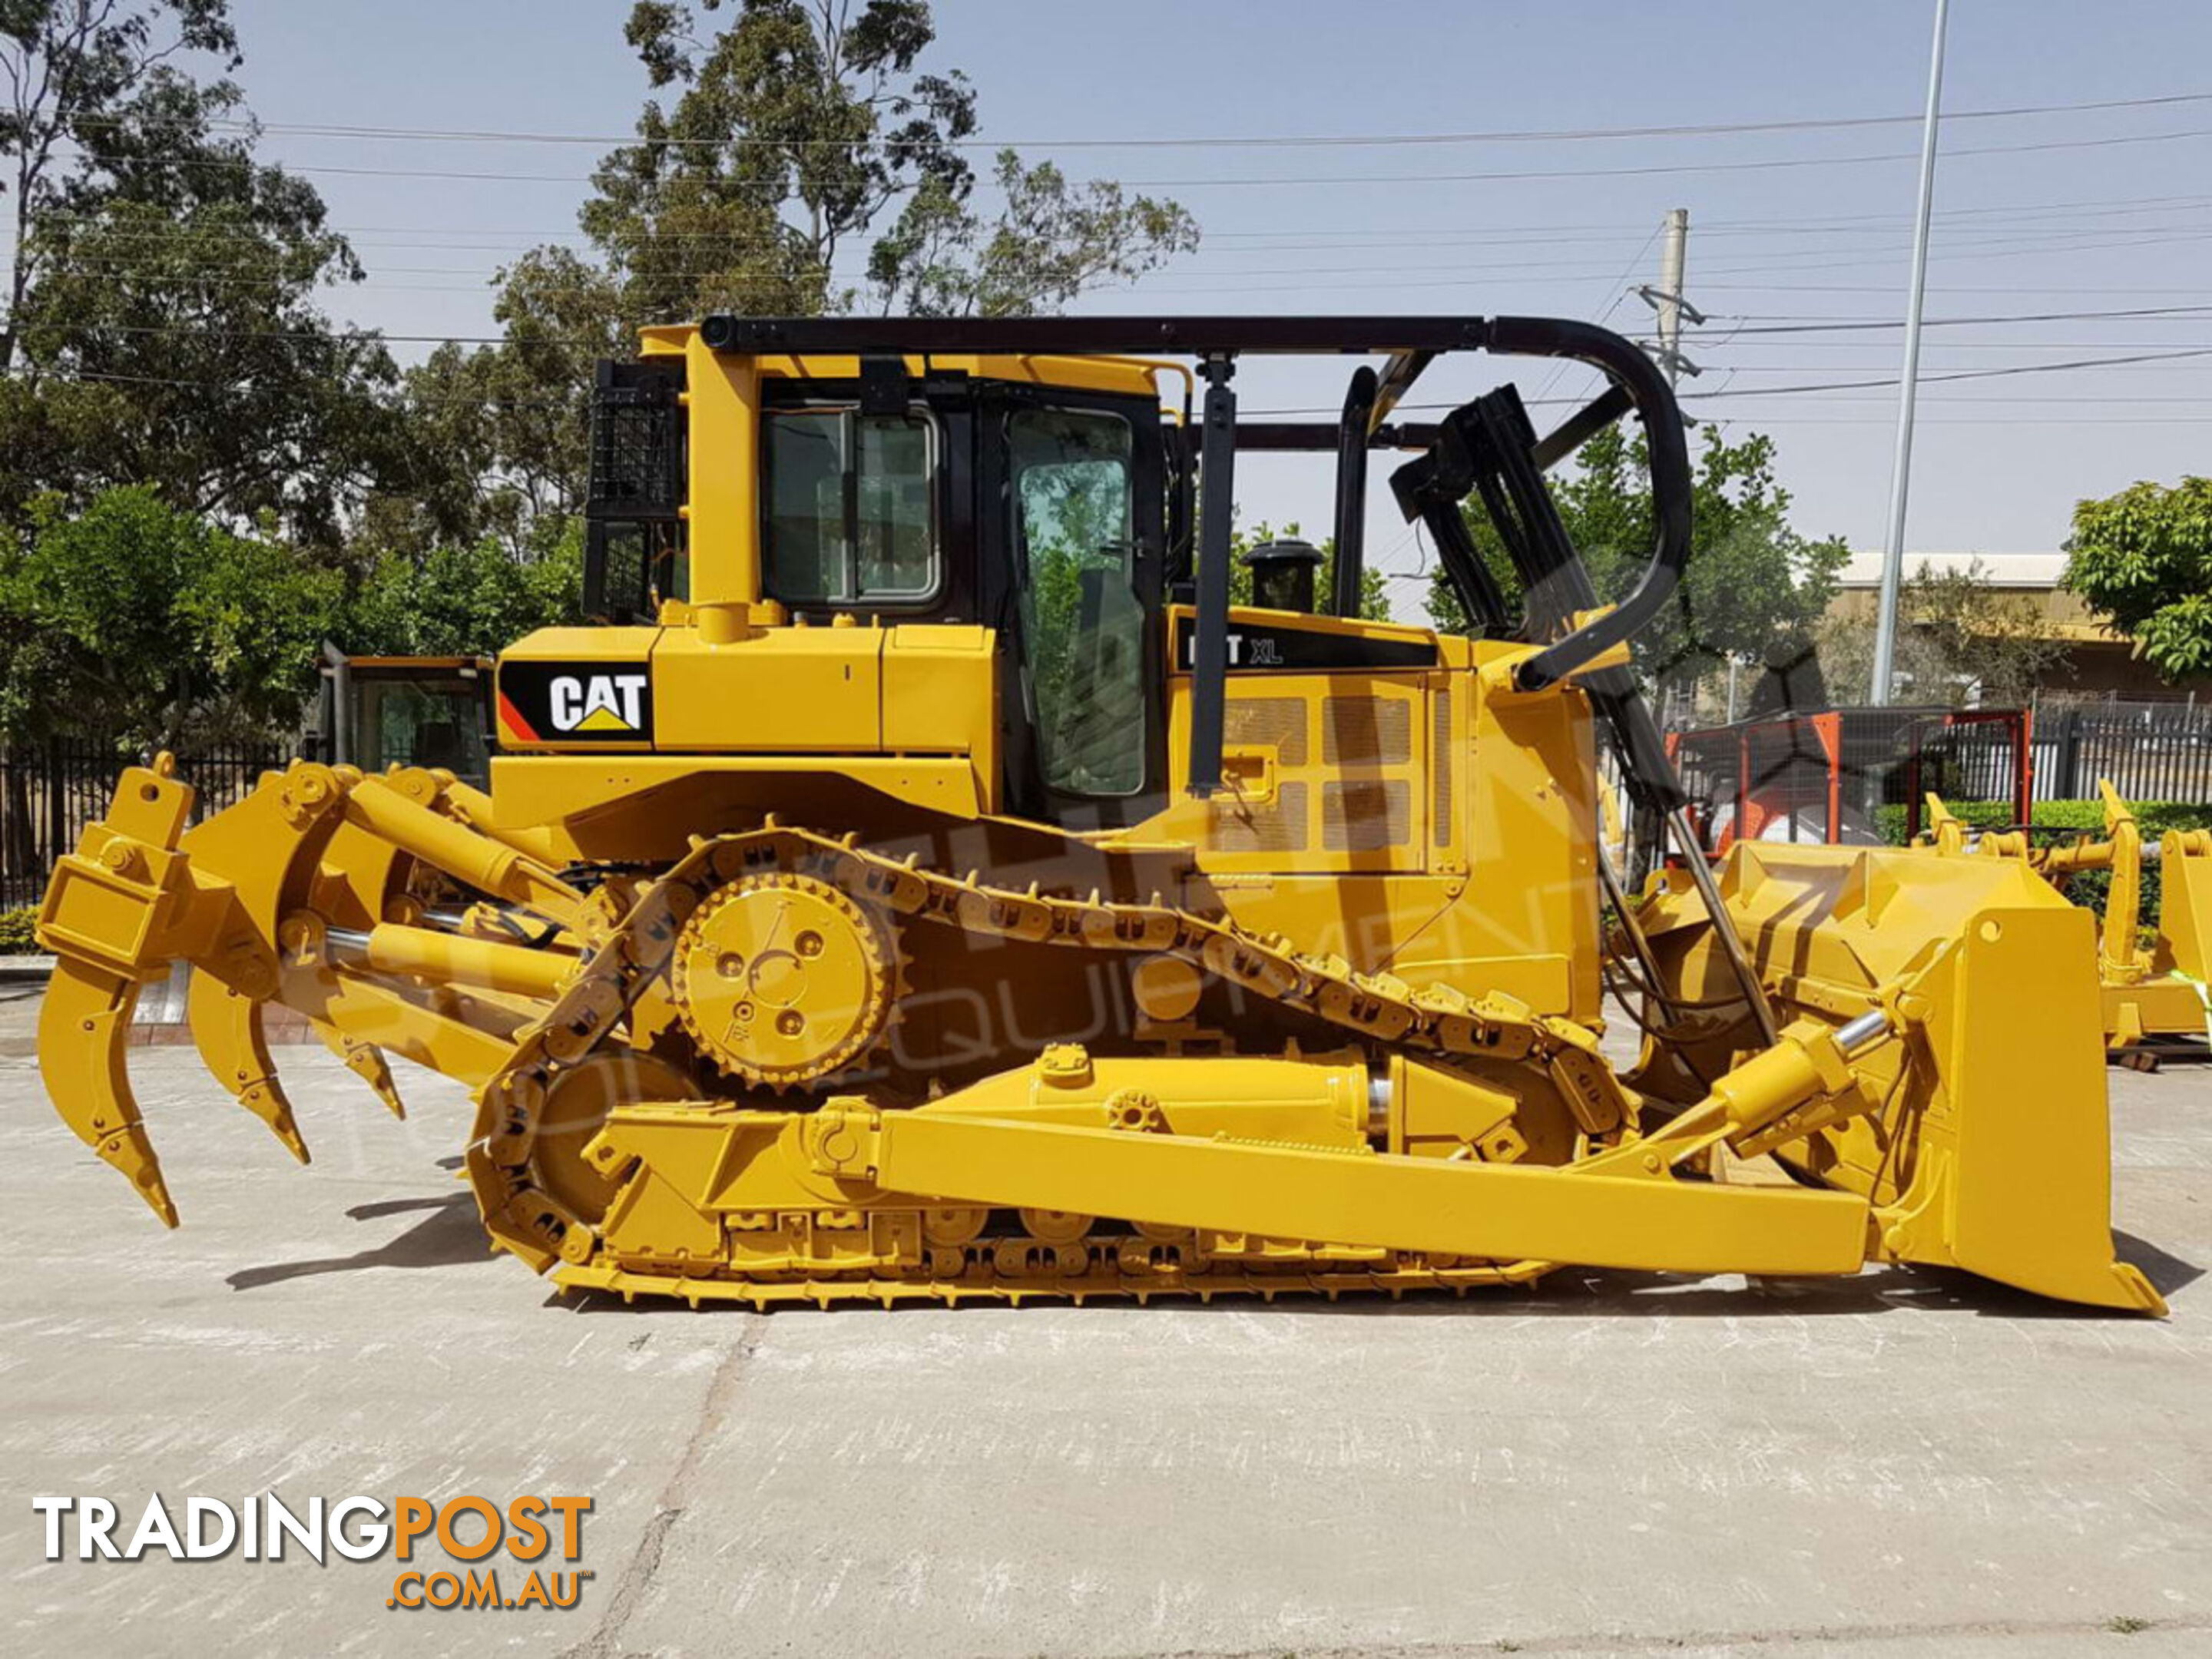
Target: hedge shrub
15, 938
2152, 818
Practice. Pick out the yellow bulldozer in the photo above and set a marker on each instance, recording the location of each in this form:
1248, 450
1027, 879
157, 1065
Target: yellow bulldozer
923, 882
2156, 996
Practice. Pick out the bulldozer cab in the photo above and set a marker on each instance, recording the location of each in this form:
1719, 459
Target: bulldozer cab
991, 496
1034, 481
1036, 510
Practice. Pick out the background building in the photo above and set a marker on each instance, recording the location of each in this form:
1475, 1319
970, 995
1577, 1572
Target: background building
2096, 661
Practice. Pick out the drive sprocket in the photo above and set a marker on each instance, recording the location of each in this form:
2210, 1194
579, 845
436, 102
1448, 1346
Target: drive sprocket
781, 979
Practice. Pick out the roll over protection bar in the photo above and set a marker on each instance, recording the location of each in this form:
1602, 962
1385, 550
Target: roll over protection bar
1653, 400
1412, 343
1352, 435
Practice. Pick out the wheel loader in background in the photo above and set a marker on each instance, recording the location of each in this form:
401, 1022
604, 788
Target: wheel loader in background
924, 885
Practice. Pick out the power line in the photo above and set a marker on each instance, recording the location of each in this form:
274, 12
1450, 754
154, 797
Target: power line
1840, 326
1952, 345
1667, 168
1621, 293
2048, 241
1566, 274
778, 187
401, 394
1270, 140
1805, 261
1425, 236
1974, 420
1963, 374
2154, 365
1960, 287
2088, 207
1832, 386
2009, 398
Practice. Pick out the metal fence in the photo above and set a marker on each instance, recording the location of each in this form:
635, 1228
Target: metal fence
1808, 776
2149, 750
50, 791
1825, 777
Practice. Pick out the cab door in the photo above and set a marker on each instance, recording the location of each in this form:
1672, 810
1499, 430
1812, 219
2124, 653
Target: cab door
1074, 514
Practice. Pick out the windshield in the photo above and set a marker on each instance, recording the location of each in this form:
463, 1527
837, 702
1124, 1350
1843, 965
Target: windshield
1081, 617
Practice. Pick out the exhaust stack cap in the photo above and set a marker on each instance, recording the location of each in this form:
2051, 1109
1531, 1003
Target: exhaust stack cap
1283, 573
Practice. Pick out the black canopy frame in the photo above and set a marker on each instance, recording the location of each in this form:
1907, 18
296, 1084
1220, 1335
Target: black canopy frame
1485, 448
1410, 344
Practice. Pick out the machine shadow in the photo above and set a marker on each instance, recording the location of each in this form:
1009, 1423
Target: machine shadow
1598, 1294
2168, 1274
1579, 1294
449, 1236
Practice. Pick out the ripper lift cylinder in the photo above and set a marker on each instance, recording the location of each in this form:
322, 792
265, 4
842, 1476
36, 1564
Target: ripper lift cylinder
456, 959
457, 849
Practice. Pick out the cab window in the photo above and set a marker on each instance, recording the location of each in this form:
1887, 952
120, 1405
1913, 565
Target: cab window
851, 507
1082, 620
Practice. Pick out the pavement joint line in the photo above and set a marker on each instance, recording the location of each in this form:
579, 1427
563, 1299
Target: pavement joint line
638, 1572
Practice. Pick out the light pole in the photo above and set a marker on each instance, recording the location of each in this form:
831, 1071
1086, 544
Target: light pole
1893, 551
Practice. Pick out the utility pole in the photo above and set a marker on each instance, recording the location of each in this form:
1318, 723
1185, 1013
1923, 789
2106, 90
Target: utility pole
1667, 298
1673, 271
1648, 837
1893, 550
1674, 260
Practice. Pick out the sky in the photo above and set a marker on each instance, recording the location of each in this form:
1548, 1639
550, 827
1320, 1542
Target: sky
2070, 211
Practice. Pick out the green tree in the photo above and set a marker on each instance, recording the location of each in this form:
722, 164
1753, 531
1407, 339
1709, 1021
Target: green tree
2144, 558
74, 73
1754, 590
780, 135
1046, 242
470, 599
511, 419
816, 105
796, 128
132, 620
163, 325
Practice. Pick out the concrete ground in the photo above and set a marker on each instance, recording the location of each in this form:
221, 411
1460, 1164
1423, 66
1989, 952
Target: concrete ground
1907, 1463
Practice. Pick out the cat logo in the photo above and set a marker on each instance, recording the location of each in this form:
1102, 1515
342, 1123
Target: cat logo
561, 703
597, 702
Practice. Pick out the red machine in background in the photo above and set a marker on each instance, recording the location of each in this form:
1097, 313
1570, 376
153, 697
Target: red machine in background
1824, 777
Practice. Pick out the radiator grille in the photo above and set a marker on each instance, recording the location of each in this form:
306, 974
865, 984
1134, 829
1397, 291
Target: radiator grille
1276, 722
1279, 828
1365, 817
1440, 768
1367, 731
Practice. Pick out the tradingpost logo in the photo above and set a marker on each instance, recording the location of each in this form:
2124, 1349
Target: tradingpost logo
530, 1532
